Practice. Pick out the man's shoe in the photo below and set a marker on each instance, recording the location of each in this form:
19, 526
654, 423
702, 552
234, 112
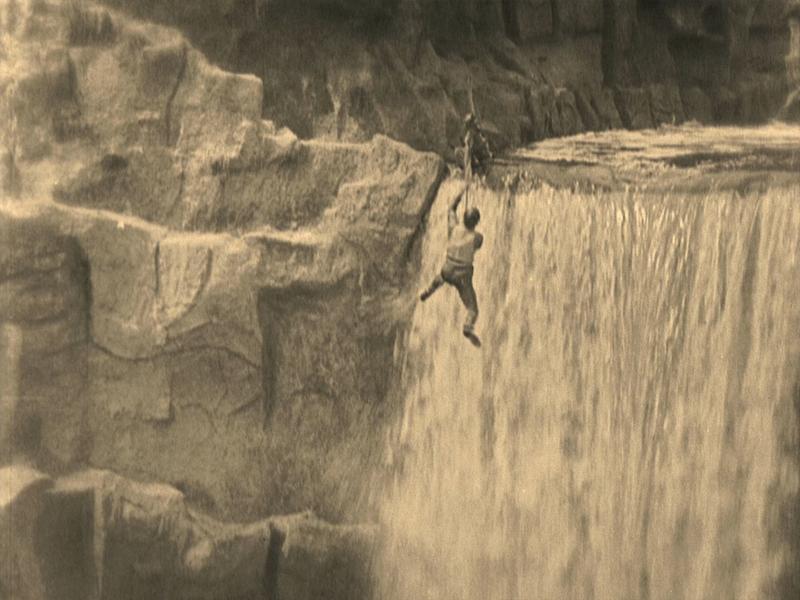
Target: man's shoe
425, 295
472, 337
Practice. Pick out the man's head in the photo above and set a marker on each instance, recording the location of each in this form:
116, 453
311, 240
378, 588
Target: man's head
471, 218
470, 121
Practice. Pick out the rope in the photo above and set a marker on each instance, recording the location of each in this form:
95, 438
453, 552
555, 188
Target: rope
467, 153
467, 173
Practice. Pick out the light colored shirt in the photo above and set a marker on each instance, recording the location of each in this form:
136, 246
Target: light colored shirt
462, 242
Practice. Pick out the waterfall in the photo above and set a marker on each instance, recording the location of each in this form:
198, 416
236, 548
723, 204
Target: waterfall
629, 429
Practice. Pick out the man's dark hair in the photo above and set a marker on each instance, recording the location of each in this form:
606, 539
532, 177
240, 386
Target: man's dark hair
471, 218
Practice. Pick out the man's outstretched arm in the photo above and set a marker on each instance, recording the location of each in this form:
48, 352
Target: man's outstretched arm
452, 214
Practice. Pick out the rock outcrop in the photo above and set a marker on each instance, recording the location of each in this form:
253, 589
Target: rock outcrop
212, 302
249, 369
410, 69
95, 535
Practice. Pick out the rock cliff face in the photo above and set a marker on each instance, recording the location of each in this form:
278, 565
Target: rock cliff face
410, 69
94, 535
212, 302
44, 292
791, 109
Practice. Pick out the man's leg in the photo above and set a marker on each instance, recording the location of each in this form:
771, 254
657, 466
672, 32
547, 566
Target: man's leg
470, 300
437, 282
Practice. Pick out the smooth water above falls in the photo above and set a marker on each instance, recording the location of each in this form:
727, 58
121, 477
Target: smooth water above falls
629, 429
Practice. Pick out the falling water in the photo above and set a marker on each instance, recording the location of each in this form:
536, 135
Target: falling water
629, 428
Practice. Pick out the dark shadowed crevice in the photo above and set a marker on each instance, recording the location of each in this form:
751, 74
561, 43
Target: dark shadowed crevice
64, 539
173, 93
82, 276
555, 20
26, 433
608, 47
268, 318
511, 19
411, 252
714, 19
157, 269
652, 12
272, 563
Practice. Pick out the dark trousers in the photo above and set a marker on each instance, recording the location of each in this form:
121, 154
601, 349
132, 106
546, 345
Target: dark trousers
480, 161
461, 279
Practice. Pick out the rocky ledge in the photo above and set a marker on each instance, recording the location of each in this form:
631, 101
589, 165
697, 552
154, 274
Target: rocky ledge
92, 535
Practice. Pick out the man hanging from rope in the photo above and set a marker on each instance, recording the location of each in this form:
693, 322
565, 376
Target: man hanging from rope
463, 242
476, 149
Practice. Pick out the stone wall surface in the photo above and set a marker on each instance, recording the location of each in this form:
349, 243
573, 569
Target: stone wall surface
93, 535
410, 68
210, 302
203, 366
44, 304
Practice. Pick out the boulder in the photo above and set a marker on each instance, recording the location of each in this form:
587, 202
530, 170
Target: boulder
147, 541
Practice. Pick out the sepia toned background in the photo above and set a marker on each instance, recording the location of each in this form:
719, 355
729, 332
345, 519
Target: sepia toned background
217, 381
